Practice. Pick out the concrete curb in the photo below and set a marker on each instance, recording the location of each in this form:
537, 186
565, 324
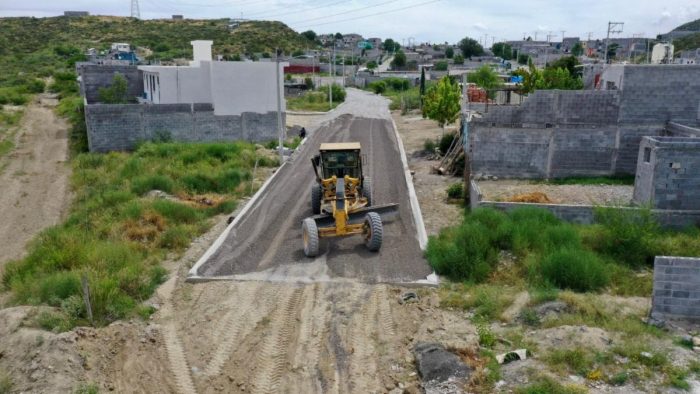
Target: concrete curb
432, 279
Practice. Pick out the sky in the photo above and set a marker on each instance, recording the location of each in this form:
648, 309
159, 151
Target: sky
434, 21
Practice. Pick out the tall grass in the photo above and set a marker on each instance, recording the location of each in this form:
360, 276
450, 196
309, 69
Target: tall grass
116, 235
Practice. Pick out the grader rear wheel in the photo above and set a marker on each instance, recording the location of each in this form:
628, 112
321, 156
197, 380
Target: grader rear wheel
316, 193
309, 232
372, 231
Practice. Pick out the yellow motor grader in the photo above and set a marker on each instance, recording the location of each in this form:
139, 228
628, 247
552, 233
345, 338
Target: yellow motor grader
341, 199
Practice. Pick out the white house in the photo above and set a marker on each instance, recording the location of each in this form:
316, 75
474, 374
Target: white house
662, 53
121, 47
231, 87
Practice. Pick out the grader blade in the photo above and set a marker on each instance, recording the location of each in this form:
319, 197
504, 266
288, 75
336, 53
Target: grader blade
388, 213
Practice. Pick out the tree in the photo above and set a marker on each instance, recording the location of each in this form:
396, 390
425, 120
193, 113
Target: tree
115, 93
399, 61
523, 59
502, 50
390, 45
470, 47
577, 49
310, 35
338, 36
612, 50
569, 63
449, 52
485, 77
459, 59
441, 66
442, 102
298, 53
422, 83
371, 65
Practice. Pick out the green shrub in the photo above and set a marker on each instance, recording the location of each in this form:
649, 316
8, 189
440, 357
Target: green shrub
144, 184
6, 383
177, 212
486, 336
177, 237
574, 269
36, 86
52, 321
463, 253
429, 145
397, 84
377, 87
446, 142
455, 190
12, 96
627, 235
546, 385
87, 388
577, 360
338, 93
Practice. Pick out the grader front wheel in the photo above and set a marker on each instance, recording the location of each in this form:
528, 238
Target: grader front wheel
372, 231
309, 232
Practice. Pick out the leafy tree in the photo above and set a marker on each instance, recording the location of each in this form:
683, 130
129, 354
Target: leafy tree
116, 93
441, 66
309, 83
502, 50
422, 82
612, 50
485, 77
310, 35
550, 78
470, 47
371, 65
399, 61
449, 52
569, 63
577, 49
297, 53
442, 102
459, 59
377, 87
390, 45
523, 59
338, 36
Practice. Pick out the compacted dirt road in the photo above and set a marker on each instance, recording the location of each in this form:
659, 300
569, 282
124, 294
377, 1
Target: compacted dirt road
34, 191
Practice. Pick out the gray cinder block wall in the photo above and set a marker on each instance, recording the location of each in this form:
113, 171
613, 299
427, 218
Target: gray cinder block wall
668, 173
581, 133
121, 127
676, 288
94, 76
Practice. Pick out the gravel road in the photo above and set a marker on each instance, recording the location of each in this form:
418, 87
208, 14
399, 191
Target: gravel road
266, 243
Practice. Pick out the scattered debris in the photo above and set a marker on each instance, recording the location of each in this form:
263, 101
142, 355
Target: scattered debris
534, 197
230, 219
515, 355
435, 363
407, 297
160, 194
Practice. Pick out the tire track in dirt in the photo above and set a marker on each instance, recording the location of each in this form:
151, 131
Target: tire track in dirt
272, 358
362, 371
385, 318
238, 322
314, 322
173, 345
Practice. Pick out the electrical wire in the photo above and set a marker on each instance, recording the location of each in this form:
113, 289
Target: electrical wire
258, 14
370, 15
348, 11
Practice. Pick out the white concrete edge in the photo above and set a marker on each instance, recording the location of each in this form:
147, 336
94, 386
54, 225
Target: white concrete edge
431, 279
429, 282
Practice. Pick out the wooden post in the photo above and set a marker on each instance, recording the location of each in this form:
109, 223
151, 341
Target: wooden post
86, 298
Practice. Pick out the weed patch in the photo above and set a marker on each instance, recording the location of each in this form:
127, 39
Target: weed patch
546, 385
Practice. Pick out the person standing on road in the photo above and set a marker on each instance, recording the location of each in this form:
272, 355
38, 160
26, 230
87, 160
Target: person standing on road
302, 133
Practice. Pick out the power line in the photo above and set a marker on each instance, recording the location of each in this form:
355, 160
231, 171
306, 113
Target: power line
295, 12
370, 15
348, 11
135, 11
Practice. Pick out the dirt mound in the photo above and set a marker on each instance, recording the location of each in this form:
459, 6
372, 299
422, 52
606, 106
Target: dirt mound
534, 197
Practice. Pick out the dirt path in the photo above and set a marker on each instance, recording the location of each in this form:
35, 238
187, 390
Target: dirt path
34, 183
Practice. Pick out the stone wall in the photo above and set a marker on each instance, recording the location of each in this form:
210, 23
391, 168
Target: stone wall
93, 77
676, 288
674, 129
668, 173
121, 127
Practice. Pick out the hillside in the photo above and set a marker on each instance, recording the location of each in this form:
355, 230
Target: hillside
39, 46
690, 26
688, 42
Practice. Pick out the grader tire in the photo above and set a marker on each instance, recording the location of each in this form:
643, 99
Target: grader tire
367, 190
310, 235
316, 199
373, 231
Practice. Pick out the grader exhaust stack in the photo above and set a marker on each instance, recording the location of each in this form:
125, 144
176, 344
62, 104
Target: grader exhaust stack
341, 200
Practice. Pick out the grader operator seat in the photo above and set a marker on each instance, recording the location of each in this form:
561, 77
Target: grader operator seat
341, 162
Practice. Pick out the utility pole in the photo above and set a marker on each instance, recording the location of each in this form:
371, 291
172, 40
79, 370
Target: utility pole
612, 29
280, 89
331, 61
135, 9
343, 70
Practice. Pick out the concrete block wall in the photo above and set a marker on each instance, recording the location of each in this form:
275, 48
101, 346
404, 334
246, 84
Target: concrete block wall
121, 127
660, 94
674, 129
668, 173
676, 288
93, 77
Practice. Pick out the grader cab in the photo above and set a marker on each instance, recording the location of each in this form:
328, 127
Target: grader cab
341, 199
